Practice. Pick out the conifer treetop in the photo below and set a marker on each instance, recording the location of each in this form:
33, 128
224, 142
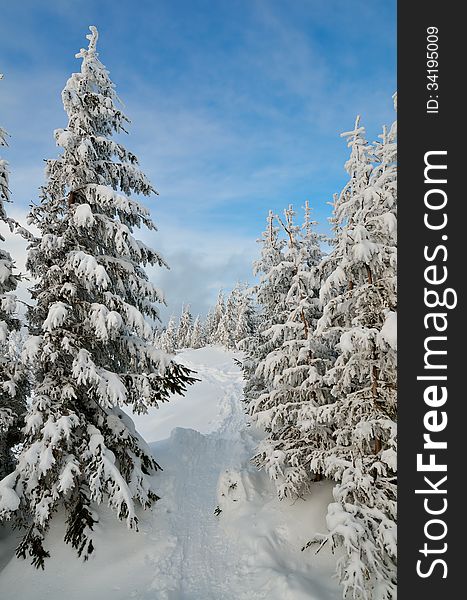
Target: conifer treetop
94, 115
92, 37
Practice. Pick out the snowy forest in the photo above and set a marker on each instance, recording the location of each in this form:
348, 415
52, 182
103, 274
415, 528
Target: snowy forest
291, 490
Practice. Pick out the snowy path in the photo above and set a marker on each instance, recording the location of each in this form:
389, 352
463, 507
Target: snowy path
244, 553
203, 561
250, 551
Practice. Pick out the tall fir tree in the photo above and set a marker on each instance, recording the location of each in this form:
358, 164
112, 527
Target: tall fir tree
257, 346
185, 328
197, 335
359, 307
168, 338
225, 334
294, 366
91, 334
238, 319
13, 376
246, 324
213, 319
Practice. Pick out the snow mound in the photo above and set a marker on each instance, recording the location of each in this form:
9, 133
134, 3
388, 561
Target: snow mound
218, 533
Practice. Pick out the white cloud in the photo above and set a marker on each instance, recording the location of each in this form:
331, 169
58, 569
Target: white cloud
223, 137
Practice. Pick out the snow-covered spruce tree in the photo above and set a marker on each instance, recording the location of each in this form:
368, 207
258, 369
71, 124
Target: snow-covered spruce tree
269, 300
246, 316
197, 334
168, 338
185, 328
225, 334
13, 375
91, 333
359, 298
213, 319
209, 326
294, 367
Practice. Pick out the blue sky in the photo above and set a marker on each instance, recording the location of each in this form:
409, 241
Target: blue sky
236, 108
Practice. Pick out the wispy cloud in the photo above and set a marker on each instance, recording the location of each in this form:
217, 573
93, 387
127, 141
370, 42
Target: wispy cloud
236, 108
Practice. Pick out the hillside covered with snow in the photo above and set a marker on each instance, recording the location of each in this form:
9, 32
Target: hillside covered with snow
217, 533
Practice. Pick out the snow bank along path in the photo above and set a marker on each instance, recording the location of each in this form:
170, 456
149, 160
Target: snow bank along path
250, 550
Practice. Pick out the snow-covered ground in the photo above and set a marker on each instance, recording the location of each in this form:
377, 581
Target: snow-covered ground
250, 550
